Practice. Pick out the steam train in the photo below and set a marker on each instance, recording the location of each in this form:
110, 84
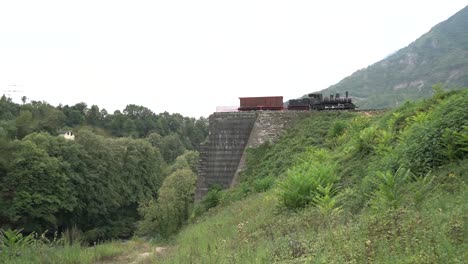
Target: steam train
314, 101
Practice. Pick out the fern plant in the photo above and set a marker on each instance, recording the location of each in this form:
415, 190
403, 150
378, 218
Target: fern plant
422, 187
304, 182
12, 241
326, 201
391, 190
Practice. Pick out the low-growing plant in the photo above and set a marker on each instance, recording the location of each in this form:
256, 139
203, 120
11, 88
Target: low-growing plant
263, 184
326, 200
421, 188
212, 198
391, 189
303, 183
384, 142
336, 130
12, 241
456, 143
367, 140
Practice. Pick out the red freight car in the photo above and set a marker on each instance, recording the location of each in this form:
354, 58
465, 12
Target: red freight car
261, 103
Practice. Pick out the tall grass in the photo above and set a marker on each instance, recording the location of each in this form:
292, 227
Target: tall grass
255, 230
70, 253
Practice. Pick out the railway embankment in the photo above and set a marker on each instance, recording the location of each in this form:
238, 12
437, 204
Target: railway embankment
222, 156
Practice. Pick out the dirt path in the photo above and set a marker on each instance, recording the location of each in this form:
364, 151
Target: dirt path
146, 256
138, 254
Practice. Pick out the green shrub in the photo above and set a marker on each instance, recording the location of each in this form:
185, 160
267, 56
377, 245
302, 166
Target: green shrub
436, 138
337, 129
304, 182
212, 198
12, 242
367, 140
421, 188
165, 216
391, 190
263, 184
456, 142
326, 201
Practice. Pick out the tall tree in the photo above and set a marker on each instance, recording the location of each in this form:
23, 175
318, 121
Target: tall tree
24, 124
37, 189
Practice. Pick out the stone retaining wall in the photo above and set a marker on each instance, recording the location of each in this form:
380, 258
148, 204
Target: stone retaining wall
222, 156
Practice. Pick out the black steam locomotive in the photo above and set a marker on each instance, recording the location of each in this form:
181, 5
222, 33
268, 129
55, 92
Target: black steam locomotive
316, 101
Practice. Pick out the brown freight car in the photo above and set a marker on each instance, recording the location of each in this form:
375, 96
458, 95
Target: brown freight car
261, 103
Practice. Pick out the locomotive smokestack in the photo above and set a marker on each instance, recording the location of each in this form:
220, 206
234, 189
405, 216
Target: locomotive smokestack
331, 97
337, 95
346, 94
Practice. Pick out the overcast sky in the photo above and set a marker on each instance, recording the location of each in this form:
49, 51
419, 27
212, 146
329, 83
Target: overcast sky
191, 56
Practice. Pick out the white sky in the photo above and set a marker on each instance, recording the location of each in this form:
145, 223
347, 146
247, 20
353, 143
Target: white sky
191, 56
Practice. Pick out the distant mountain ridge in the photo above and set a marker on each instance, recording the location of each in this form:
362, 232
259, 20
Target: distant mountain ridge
439, 56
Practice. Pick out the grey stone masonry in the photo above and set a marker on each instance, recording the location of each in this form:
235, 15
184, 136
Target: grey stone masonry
221, 152
268, 127
222, 156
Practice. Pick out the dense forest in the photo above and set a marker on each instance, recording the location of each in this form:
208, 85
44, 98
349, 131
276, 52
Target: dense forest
95, 183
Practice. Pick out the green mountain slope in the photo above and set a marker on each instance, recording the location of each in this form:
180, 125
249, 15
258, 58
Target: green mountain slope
439, 56
345, 187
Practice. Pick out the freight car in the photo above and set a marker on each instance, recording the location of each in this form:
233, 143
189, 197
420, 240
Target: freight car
261, 103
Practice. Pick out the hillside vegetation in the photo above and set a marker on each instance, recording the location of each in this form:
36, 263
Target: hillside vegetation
89, 188
342, 187
441, 55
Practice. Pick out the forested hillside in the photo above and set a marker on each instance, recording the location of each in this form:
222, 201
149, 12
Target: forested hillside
340, 187
439, 56
345, 187
95, 183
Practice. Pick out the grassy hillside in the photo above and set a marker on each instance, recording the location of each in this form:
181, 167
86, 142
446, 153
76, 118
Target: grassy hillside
346, 188
441, 55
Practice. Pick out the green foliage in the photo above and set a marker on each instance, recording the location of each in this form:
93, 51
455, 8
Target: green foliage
37, 187
456, 143
326, 200
171, 147
212, 198
374, 211
268, 162
12, 242
165, 216
263, 184
96, 182
421, 188
24, 124
391, 191
253, 231
441, 130
135, 121
188, 160
337, 129
366, 140
41, 250
307, 182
